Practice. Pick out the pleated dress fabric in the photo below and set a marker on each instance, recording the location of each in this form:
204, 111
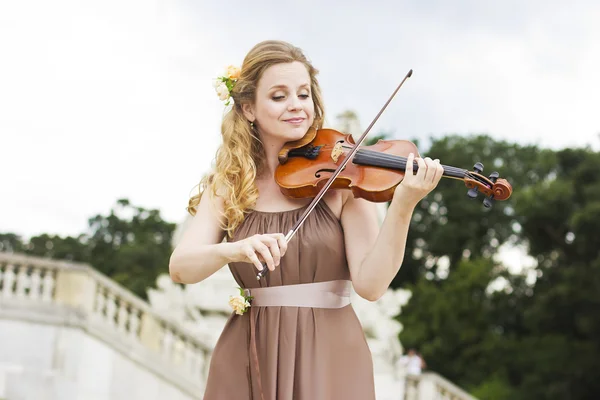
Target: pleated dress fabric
303, 353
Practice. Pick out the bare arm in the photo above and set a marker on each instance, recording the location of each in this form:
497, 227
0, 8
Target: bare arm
374, 253
202, 252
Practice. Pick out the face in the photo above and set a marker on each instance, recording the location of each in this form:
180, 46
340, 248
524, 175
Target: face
284, 107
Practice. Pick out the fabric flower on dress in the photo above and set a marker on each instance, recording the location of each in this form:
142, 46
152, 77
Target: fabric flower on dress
240, 303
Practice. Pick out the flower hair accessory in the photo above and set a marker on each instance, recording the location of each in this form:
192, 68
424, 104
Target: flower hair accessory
224, 84
240, 303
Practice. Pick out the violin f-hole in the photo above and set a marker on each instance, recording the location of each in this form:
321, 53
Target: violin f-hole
318, 173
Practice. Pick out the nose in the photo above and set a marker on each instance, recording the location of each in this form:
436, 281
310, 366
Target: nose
295, 104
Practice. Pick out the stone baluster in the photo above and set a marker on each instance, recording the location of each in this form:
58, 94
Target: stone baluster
48, 285
8, 281
100, 303
35, 284
22, 282
167, 343
134, 323
111, 309
122, 316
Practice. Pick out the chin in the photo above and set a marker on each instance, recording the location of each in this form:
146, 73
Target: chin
295, 133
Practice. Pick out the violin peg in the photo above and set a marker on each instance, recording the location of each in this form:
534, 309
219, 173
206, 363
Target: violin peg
472, 193
494, 176
488, 201
478, 167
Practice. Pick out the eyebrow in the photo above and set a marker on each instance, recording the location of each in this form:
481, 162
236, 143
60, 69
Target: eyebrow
285, 86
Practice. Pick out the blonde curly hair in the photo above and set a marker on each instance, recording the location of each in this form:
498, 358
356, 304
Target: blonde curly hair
240, 158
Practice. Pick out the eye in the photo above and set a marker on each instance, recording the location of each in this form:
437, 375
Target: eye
277, 98
304, 96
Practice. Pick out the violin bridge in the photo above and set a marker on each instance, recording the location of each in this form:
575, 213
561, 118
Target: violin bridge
336, 152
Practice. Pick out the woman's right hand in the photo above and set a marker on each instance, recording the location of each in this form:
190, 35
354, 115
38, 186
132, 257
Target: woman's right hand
256, 249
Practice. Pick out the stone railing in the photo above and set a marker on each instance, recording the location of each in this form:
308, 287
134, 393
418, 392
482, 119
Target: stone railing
431, 386
74, 294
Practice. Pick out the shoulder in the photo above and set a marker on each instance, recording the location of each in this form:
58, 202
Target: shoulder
359, 217
207, 224
351, 204
212, 204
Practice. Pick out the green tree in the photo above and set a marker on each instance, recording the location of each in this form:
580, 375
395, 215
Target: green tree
131, 245
11, 243
560, 219
528, 341
59, 248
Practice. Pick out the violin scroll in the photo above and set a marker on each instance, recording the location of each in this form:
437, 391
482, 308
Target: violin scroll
492, 187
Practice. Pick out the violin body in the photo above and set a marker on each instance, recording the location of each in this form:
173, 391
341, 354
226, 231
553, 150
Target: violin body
304, 170
306, 165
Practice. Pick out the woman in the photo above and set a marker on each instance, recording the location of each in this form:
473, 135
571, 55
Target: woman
299, 338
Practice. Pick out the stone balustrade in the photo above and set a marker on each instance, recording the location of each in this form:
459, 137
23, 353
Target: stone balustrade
432, 386
74, 294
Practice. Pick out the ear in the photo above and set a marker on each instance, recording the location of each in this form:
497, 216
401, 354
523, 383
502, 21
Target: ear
248, 112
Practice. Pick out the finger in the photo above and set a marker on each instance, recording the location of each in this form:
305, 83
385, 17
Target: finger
282, 243
251, 255
409, 171
280, 238
274, 247
265, 253
430, 170
422, 169
439, 170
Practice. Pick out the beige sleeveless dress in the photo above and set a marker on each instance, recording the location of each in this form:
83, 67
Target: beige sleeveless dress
302, 353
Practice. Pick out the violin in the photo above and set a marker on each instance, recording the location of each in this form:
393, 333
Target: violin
373, 173
326, 158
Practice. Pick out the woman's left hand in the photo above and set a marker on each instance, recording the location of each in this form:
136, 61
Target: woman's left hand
414, 187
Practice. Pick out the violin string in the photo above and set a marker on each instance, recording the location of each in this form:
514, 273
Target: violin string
402, 159
385, 160
463, 173
401, 162
373, 156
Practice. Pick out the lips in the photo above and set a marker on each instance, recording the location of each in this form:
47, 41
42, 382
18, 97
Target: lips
294, 120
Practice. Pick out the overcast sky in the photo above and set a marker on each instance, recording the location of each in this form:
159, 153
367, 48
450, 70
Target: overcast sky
108, 99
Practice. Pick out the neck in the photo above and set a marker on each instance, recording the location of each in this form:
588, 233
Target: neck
271, 148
